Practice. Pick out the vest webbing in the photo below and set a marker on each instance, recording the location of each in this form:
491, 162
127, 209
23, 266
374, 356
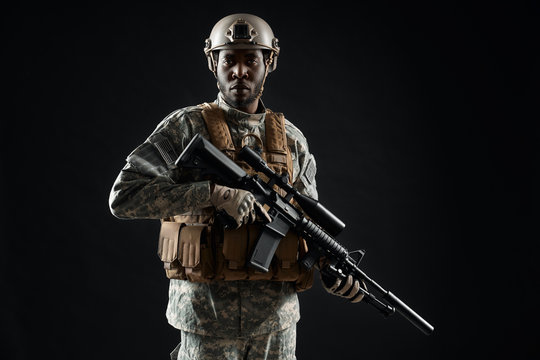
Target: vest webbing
218, 129
275, 149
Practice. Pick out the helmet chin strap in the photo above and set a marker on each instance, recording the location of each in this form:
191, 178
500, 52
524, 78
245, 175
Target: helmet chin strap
267, 63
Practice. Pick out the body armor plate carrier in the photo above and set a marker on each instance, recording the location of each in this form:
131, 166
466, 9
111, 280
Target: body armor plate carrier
194, 249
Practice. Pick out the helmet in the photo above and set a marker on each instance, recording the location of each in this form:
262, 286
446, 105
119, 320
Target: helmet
241, 31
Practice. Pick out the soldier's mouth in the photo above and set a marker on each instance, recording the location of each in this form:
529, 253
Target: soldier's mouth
239, 87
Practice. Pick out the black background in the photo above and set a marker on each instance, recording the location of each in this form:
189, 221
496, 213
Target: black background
418, 115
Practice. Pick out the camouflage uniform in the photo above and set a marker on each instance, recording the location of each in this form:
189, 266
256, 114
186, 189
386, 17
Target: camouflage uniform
237, 312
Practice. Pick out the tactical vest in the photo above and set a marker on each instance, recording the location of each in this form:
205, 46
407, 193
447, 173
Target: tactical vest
193, 248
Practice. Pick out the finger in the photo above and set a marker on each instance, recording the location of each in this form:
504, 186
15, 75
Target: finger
248, 199
252, 216
354, 291
250, 203
247, 202
243, 216
251, 208
262, 211
347, 286
358, 297
335, 286
242, 208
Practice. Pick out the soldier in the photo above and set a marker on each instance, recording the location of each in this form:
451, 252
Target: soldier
224, 309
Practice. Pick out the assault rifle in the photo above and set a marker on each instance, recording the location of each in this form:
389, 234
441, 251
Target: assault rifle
319, 227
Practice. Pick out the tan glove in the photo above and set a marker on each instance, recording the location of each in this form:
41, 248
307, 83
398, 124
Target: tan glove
332, 284
237, 203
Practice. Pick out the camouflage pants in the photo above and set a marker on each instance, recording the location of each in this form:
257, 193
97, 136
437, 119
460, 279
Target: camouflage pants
279, 345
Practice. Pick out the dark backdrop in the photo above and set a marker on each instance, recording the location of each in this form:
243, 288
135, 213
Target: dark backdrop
417, 114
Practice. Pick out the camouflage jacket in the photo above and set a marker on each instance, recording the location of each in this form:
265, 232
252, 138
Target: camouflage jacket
147, 188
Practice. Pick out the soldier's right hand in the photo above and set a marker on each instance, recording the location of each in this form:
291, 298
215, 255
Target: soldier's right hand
237, 203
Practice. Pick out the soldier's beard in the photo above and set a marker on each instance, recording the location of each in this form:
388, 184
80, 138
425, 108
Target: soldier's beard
241, 103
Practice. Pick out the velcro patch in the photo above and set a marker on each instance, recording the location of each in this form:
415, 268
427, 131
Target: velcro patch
311, 170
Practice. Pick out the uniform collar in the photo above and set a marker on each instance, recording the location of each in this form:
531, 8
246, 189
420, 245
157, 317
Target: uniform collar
239, 117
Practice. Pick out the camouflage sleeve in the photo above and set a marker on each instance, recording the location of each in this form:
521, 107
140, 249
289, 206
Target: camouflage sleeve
305, 166
150, 186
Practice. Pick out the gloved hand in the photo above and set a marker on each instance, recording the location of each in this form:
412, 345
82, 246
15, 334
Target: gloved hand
350, 290
237, 203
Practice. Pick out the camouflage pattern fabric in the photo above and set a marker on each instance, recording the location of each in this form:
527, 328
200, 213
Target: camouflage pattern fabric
150, 187
279, 345
147, 188
232, 308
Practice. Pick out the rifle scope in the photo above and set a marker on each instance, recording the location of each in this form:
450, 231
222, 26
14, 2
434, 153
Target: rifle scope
315, 210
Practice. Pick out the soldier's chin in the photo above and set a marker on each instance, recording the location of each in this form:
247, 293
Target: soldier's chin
241, 100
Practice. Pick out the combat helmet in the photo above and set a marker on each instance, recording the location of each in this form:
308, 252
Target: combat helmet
241, 31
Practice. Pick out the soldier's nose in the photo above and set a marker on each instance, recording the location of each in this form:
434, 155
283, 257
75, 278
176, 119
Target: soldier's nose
240, 72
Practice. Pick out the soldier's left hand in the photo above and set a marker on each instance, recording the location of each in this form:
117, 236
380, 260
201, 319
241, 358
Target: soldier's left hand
348, 288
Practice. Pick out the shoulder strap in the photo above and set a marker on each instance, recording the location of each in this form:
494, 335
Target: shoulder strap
276, 139
214, 119
277, 150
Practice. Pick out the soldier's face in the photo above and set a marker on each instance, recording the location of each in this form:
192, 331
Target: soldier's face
240, 76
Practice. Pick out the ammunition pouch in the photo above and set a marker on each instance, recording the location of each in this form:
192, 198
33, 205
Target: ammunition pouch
185, 251
201, 253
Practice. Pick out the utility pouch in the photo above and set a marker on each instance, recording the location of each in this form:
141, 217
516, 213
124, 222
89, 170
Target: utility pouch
194, 253
185, 253
235, 242
286, 267
168, 249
